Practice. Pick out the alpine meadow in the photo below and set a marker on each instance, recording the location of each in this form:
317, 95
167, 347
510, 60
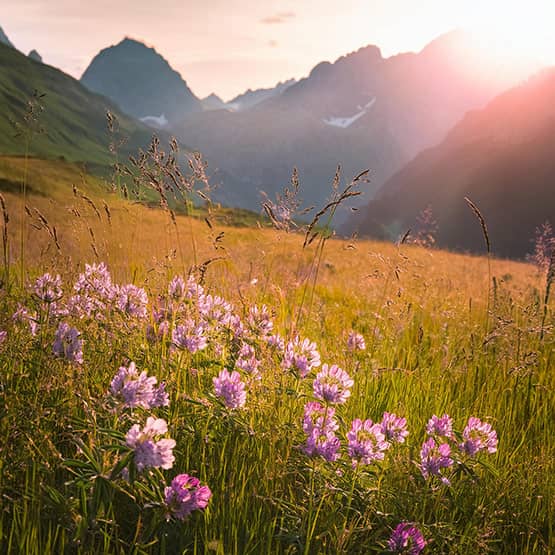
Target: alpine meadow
317, 318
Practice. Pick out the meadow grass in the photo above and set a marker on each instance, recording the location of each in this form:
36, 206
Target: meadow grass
432, 347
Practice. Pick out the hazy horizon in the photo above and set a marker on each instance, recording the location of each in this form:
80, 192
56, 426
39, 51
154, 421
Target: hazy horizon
227, 47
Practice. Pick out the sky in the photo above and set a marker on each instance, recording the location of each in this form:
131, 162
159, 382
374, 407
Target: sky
227, 46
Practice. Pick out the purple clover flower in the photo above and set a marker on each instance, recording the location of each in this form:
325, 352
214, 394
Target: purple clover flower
316, 416
434, 458
478, 436
406, 539
442, 427
322, 443
189, 336
185, 495
48, 288
276, 341
247, 360
355, 342
138, 390
95, 281
332, 384
259, 321
23, 315
67, 343
132, 300
394, 428
301, 356
215, 309
194, 289
148, 452
366, 442
3, 337
177, 289
94, 292
231, 389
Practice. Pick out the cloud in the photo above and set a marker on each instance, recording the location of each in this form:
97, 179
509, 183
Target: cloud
281, 17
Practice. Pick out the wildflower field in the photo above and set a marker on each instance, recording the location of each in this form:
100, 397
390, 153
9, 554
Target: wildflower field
169, 384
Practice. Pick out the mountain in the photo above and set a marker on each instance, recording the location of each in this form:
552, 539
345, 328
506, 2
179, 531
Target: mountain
251, 98
34, 55
502, 157
140, 82
213, 102
362, 111
73, 122
4, 39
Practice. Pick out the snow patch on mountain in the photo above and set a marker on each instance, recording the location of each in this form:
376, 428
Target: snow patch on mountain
345, 122
156, 121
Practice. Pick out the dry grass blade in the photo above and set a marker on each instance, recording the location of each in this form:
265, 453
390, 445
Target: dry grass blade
337, 199
482, 221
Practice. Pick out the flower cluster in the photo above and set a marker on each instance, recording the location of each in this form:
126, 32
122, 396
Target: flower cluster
394, 428
231, 389
478, 436
332, 385
138, 390
67, 344
366, 442
150, 452
434, 458
48, 288
301, 356
441, 450
185, 495
406, 539
189, 336
355, 342
320, 425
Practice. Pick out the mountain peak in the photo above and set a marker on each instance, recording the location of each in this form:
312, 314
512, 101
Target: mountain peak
4, 38
141, 81
34, 55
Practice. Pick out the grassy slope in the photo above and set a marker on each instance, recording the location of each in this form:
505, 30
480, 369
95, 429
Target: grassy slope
74, 119
423, 314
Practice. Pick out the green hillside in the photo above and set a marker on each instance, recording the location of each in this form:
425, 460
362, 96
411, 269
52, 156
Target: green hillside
72, 123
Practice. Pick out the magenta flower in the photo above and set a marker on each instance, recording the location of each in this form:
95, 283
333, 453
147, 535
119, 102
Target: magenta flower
48, 288
67, 343
185, 495
149, 452
394, 428
332, 384
3, 337
478, 436
301, 356
434, 458
406, 539
322, 443
231, 389
355, 342
189, 336
366, 442
440, 427
316, 416
132, 300
138, 390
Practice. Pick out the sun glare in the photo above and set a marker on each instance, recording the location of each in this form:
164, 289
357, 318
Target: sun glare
519, 30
